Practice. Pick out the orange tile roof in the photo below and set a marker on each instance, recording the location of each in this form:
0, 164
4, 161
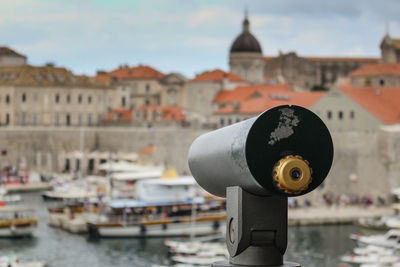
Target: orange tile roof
226, 110
118, 114
216, 76
242, 92
147, 150
169, 113
378, 69
344, 59
267, 99
383, 103
131, 73
334, 59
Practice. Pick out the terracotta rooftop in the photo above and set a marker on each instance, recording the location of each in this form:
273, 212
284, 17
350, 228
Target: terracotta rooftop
44, 76
378, 69
147, 150
130, 73
383, 103
169, 113
240, 93
267, 100
334, 59
5, 51
396, 43
118, 114
216, 76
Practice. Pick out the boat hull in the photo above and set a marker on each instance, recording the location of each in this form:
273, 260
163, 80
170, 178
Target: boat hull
170, 230
17, 231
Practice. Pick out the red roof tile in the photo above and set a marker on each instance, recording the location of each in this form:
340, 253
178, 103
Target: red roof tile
383, 103
242, 92
263, 100
118, 114
334, 59
225, 110
216, 76
147, 150
169, 113
269, 100
378, 69
131, 73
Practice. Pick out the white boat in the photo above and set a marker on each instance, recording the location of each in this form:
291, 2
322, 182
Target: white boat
13, 261
165, 207
17, 221
134, 218
391, 239
370, 249
370, 259
198, 248
197, 260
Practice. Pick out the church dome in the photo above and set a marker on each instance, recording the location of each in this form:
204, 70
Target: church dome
246, 42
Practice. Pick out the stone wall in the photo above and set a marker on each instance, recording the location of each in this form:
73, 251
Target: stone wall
364, 164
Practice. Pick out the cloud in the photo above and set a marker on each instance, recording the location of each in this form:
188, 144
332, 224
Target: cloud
189, 35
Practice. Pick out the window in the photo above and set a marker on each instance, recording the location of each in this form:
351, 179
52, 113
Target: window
222, 121
237, 119
80, 99
7, 118
8, 99
57, 98
147, 102
79, 119
89, 99
68, 99
229, 121
23, 118
147, 88
34, 119
23, 98
89, 119
381, 82
68, 120
340, 115
352, 114
56, 119
123, 101
329, 114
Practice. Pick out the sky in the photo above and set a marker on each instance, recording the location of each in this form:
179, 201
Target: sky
188, 36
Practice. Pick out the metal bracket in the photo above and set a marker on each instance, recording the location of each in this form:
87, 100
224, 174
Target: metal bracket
256, 230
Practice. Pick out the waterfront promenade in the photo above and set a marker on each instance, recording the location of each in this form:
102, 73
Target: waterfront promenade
334, 214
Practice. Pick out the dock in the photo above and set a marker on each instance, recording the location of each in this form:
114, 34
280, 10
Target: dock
334, 215
19, 188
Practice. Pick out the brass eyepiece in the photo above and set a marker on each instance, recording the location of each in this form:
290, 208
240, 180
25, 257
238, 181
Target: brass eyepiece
292, 174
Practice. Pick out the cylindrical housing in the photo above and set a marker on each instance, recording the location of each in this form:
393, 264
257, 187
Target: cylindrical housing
245, 154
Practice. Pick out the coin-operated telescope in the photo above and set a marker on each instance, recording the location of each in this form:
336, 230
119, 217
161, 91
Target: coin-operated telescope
256, 164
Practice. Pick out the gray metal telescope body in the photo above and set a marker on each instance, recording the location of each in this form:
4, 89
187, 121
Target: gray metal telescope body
238, 162
233, 161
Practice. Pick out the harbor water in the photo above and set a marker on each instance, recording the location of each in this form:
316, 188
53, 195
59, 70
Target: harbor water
312, 246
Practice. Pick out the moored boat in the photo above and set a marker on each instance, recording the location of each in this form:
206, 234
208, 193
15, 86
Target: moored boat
16, 221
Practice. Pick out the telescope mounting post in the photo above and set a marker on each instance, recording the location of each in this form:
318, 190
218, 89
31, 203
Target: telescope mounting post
256, 234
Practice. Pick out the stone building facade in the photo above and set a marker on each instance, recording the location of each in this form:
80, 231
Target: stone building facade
390, 49
201, 91
302, 73
9, 57
50, 96
143, 85
245, 57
